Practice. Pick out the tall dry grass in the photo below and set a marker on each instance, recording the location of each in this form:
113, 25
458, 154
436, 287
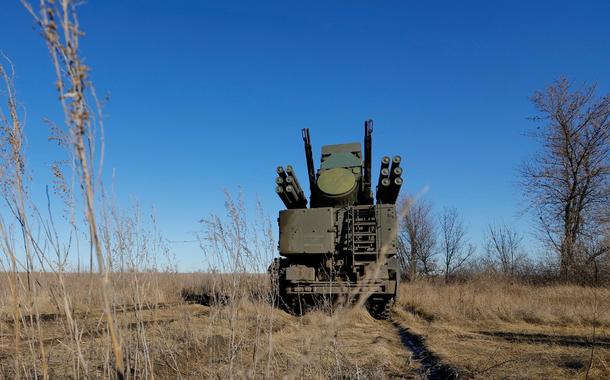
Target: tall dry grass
490, 327
486, 300
39, 246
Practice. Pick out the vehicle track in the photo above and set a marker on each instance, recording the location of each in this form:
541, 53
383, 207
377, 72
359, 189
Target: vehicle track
537, 338
432, 366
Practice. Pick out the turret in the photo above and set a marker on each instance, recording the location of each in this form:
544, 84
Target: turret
343, 178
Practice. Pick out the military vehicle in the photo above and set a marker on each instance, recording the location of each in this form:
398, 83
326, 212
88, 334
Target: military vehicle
344, 244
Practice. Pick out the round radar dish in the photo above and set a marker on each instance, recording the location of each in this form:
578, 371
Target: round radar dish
337, 181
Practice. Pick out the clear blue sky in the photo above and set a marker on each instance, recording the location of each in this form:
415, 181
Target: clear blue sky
212, 95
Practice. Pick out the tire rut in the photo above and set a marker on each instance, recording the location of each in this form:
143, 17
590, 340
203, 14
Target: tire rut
537, 338
432, 366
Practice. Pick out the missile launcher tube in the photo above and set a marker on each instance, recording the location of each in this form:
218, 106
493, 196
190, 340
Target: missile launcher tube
290, 182
395, 163
292, 194
383, 173
297, 200
397, 172
288, 189
393, 190
385, 162
382, 190
282, 194
294, 182
281, 172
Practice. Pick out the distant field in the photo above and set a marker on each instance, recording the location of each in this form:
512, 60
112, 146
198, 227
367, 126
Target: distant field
479, 329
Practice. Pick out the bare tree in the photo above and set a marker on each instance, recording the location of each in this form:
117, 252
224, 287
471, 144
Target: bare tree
454, 246
503, 246
567, 180
417, 238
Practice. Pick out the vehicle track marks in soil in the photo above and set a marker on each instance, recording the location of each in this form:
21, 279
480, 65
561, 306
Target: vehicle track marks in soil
55, 316
433, 367
536, 338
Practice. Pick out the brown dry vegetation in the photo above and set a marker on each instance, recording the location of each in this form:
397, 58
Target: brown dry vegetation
124, 317
482, 328
162, 337
494, 329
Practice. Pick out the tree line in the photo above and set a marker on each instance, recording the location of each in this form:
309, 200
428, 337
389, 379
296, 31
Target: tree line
566, 186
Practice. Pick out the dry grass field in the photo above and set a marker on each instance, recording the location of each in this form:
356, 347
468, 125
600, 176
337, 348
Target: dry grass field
491, 329
124, 317
479, 329
243, 336
125, 314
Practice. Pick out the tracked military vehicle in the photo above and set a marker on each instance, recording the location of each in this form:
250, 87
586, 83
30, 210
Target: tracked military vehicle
344, 244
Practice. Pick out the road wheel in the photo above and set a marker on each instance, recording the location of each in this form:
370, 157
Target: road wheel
380, 308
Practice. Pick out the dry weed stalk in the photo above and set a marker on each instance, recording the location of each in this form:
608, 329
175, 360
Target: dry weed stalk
235, 252
59, 25
14, 190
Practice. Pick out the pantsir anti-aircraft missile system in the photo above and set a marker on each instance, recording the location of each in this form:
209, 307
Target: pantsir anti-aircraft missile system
344, 244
